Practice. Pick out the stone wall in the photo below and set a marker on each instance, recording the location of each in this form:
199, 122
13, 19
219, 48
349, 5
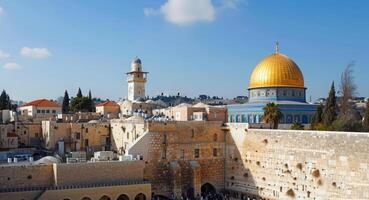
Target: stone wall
19, 176
168, 149
281, 164
97, 172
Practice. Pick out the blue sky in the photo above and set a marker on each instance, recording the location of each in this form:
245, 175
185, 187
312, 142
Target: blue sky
211, 47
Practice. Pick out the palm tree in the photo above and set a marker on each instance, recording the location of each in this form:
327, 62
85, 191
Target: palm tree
272, 115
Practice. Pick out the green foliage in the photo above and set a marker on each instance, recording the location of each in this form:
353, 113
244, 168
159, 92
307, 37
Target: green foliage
5, 103
65, 106
297, 126
366, 117
343, 124
272, 115
330, 110
317, 118
79, 93
81, 103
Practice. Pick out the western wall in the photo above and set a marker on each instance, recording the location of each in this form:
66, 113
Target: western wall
283, 164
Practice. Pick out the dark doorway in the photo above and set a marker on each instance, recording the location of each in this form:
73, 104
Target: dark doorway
207, 189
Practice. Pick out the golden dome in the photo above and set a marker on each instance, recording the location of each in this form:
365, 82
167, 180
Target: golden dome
276, 70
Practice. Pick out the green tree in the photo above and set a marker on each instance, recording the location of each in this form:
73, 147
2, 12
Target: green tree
330, 109
80, 104
272, 115
65, 107
366, 117
5, 103
317, 118
79, 93
92, 105
297, 126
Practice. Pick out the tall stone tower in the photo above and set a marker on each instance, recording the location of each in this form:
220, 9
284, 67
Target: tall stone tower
136, 80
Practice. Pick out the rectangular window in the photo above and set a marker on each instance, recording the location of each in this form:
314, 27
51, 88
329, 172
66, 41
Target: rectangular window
47, 111
197, 153
86, 142
164, 154
182, 154
54, 111
42, 111
215, 152
86, 130
165, 139
38, 111
127, 135
78, 136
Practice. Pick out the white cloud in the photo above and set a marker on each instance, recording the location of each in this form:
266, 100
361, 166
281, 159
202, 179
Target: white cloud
4, 55
230, 4
35, 52
185, 12
12, 66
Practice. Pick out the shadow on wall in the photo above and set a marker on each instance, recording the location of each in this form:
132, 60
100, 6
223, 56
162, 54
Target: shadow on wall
239, 181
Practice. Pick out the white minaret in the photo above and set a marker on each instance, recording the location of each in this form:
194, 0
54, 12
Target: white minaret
136, 80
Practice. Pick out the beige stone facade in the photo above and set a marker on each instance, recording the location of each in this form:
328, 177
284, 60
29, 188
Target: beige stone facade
197, 112
88, 137
125, 131
180, 157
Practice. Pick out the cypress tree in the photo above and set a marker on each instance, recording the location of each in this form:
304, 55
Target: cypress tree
366, 117
91, 103
65, 107
5, 103
317, 118
330, 110
79, 93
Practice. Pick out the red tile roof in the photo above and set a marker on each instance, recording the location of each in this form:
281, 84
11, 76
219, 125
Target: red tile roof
108, 103
41, 103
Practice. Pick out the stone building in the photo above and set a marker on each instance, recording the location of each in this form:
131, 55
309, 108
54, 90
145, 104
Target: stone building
136, 102
90, 137
125, 131
41, 108
197, 112
108, 109
8, 138
182, 157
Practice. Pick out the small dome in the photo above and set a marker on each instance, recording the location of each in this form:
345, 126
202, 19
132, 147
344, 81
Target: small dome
136, 65
137, 60
276, 70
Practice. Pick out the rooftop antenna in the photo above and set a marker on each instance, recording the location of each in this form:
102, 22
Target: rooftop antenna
277, 47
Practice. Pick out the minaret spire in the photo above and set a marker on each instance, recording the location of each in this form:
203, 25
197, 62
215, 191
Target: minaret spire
277, 47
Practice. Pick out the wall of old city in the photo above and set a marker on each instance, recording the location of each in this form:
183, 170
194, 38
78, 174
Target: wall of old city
97, 172
19, 176
281, 164
171, 164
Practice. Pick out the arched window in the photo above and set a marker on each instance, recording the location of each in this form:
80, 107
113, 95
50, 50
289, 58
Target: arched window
86, 198
105, 198
123, 197
140, 196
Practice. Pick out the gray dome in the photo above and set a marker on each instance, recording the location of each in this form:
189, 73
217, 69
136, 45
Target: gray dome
137, 60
